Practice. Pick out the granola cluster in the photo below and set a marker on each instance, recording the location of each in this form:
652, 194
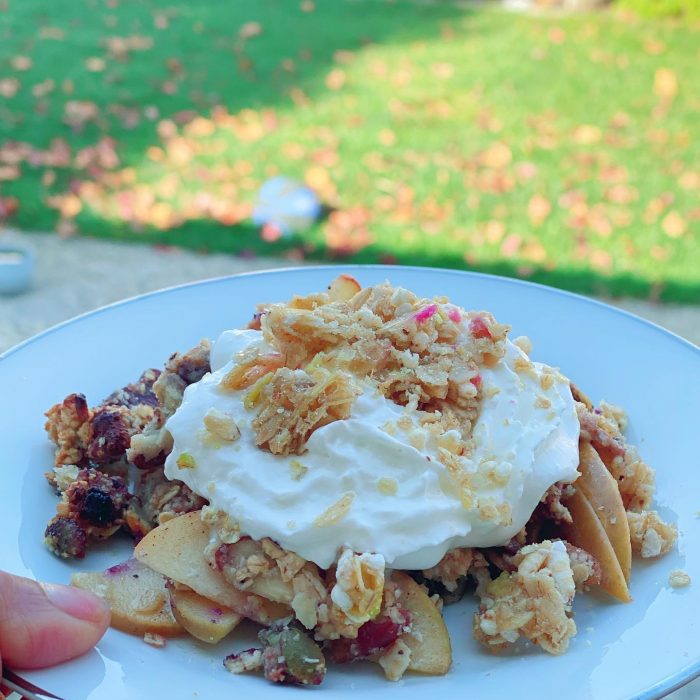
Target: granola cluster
100, 450
414, 351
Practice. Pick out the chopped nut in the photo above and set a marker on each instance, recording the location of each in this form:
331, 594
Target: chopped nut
335, 513
186, 461
221, 425
388, 486
154, 639
395, 660
298, 469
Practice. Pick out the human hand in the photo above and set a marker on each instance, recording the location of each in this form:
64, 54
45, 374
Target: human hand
42, 624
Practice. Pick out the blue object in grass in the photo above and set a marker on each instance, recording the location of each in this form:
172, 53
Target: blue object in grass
287, 204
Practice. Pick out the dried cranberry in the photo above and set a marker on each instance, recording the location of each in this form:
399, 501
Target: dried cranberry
98, 508
478, 328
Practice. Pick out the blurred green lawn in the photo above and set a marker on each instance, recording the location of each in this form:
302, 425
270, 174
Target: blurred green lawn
564, 149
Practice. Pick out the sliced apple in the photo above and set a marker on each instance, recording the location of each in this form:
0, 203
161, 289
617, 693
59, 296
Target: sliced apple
201, 617
343, 288
137, 595
268, 584
431, 651
601, 490
587, 532
176, 550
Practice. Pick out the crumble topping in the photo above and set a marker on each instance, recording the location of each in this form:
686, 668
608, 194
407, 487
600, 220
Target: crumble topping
679, 578
534, 601
649, 534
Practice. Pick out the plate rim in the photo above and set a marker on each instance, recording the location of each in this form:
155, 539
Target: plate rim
354, 266
660, 689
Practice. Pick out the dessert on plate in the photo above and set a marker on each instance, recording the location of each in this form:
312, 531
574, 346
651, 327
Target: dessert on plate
338, 471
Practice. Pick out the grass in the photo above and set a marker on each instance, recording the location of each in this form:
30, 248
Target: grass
560, 149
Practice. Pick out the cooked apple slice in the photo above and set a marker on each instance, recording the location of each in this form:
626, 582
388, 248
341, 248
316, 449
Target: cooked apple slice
431, 651
176, 550
268, 584
137, 595
600, 488
587, 532
343, 288
201, 617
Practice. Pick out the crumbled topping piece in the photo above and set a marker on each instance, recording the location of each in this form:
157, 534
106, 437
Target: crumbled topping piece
63, 476
584, 567
534, 601
226, 529
186, 461
244, 661
335, 513
679, 578
297, 469
221, 425
387, 486
154, 639
635, 479
452, 568
294, 404
395, 660
524, 343
649, 534
359, 585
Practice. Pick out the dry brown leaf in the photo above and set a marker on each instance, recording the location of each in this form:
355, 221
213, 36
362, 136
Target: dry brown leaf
511, 245
665, 84
21, 63
587, 134
689, 180
9, 87
674, 225
9, 172
601, 260
95, 64
335, 79
443, 70
250, 29
387, 137
497, 155
538, 209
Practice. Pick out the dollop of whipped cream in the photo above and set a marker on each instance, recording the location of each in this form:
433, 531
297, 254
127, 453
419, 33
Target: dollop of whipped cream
374, 482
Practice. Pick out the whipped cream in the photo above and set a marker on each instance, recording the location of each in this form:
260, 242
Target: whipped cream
394, 496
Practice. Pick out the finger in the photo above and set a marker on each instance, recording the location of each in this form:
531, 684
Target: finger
45, 624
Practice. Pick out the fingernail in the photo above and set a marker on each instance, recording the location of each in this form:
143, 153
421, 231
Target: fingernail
76, 602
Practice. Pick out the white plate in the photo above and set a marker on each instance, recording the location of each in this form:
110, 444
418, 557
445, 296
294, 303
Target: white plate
642, 649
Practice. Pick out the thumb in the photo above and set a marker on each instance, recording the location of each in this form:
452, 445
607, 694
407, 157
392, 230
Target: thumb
45, 624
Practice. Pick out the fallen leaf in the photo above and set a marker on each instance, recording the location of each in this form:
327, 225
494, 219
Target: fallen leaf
654, 47
622, 194
689, 180
665, 84
95, 64
538, 209
556, 35
602, 260
21, 63
55, 33
496, 156
44, 88
443, 70
9, 87
335, 79
250, 30
511, 245
9, 206
674, 225
307, 6
9, 172
387, 137
587, 134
